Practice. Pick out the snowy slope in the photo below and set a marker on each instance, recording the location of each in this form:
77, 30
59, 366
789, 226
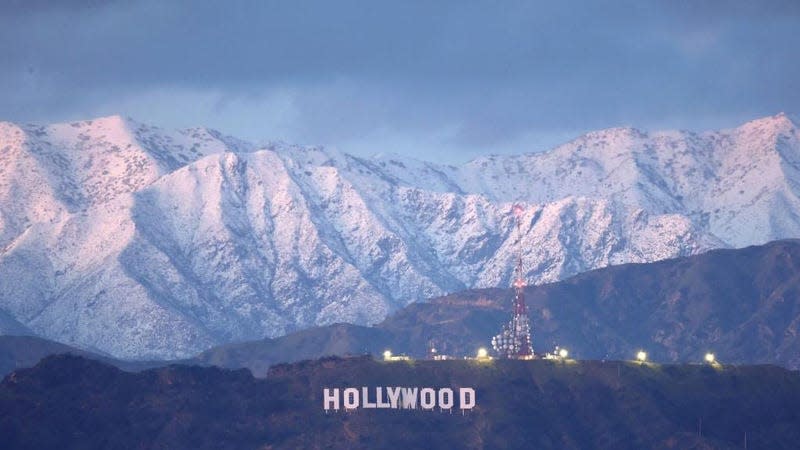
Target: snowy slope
740, 184
146, 243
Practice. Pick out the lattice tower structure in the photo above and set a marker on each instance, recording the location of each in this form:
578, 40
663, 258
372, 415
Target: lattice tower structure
514, 340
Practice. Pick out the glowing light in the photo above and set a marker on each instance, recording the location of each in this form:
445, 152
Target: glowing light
563, 353
641, 356
387, 355
482, 353
710, 358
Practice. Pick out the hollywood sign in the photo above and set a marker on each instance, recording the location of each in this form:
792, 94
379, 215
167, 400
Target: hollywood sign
397, 398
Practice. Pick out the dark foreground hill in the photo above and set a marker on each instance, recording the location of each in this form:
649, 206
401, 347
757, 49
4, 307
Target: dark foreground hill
70, 402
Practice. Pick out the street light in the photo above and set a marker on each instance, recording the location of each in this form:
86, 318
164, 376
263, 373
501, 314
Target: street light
563, 353
710, 358
482, 353
387, 355
641, 356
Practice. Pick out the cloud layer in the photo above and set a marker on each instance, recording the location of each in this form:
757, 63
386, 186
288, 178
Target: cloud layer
439, 80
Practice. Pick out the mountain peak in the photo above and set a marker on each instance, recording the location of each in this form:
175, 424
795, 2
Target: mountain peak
617, 132
778, 123
114, 121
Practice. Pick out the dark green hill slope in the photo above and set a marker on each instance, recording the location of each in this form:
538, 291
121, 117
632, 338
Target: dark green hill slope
70, 402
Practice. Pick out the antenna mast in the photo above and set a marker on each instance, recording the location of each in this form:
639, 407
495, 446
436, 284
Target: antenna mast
514, 340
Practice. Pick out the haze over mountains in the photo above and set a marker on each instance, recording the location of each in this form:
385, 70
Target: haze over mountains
145, 243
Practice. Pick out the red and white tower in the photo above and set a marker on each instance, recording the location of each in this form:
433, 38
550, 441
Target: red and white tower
514, 340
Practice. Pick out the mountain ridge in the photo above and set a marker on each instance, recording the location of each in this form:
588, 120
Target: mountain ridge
743, 305
149, 243
740, 304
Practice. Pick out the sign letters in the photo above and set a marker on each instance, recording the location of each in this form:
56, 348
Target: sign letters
397, 397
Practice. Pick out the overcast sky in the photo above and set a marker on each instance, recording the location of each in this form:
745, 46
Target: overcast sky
436, 80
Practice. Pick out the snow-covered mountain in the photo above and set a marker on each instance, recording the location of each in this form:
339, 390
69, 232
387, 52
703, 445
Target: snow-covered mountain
145, 243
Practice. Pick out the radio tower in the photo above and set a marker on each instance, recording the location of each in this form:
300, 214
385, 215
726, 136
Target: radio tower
514, 340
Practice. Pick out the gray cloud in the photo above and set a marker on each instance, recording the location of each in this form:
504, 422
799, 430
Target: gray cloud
417, 77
